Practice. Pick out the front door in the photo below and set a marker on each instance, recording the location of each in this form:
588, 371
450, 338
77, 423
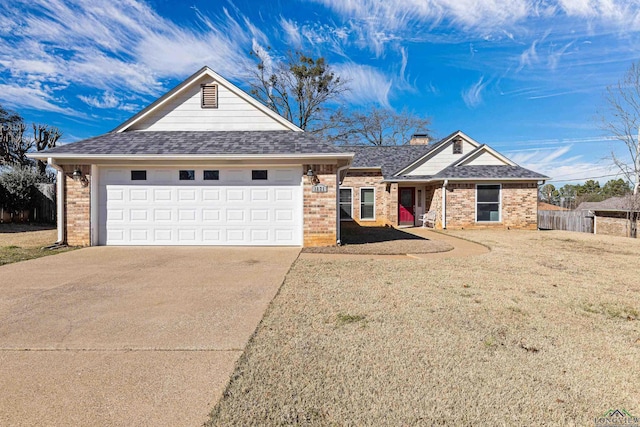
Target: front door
406, 201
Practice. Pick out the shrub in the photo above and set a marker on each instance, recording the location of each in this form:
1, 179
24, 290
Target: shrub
17, 187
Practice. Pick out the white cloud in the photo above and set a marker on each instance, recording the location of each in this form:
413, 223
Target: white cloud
113, 46
561, 165
473, 96
291, 31
108, 100
35, 96
529, 56
367, 84
380, 22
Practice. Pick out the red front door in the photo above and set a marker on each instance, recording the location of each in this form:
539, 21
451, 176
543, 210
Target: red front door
406, 214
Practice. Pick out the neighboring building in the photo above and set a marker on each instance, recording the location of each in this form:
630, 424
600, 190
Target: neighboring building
207, 164
468, 184
615, 216
544, 206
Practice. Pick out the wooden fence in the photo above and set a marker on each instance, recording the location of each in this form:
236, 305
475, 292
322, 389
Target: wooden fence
43, 207
565, 220
44, 203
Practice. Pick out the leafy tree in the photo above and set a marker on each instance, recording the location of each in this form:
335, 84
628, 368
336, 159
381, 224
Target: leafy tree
567, 196
377, 126
590, 187
623, 106
298, 88
17, 183
549, 194
615, 188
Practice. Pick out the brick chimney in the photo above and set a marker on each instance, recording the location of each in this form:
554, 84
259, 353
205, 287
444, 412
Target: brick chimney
419, 139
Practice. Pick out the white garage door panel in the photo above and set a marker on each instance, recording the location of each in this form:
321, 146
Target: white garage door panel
232, 211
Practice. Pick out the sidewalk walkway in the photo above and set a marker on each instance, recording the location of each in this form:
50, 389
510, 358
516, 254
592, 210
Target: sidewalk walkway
461, 248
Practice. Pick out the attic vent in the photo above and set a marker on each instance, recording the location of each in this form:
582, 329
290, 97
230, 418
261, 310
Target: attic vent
210, 96
457, 146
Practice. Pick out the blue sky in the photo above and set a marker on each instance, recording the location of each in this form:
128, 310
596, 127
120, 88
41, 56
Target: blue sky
524, 76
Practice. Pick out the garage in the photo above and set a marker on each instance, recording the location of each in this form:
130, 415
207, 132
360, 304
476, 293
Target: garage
200, 206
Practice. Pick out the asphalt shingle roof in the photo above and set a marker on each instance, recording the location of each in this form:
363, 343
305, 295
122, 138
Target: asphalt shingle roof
488, 172
389, 158
624, 203
199, 142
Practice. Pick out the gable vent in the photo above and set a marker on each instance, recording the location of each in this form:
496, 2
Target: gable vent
210, 96
457, 146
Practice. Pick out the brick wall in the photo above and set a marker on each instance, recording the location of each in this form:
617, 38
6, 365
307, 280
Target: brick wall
77, 207
359, 180
613, 224
320, 211
519, 206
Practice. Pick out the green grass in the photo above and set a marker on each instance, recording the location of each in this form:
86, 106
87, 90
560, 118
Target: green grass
346, 319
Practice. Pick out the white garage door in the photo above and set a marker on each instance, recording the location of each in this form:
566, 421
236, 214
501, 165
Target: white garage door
207, 206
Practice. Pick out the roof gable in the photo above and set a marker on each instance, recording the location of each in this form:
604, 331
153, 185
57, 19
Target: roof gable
484, 156
440, 156
180, 109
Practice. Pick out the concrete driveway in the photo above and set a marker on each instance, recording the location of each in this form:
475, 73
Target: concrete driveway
131, 335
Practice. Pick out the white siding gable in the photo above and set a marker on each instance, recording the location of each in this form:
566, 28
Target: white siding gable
484, 158
184, 112
440, 159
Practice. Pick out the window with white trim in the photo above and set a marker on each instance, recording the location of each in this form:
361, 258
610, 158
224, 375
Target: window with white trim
488, 202
367, 203
346, 204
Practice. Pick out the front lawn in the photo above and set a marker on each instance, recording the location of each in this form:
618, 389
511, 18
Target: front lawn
543, 330
20, 242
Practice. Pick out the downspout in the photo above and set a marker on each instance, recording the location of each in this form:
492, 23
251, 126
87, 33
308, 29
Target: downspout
340, 169
59, 199
444, 204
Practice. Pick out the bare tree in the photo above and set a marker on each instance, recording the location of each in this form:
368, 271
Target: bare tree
13, 145
298, 87
377, 126
44, 137
623, 102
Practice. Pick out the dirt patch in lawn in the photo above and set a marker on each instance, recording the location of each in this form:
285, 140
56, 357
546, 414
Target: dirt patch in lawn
20, 242
381, 241
536, 332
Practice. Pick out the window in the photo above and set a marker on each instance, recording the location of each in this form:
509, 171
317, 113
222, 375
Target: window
346, 206
187, 175
367, 203
488, 203
138, 175
258, 175
419, 198
457, 146
210, 96
210, 175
